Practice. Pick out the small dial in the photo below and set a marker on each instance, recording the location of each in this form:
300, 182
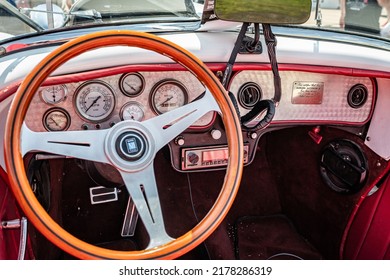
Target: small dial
56, 119
94, 101
168, 95
132, 111
132, 84
54, 94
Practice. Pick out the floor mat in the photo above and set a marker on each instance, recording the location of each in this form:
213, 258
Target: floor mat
270, 237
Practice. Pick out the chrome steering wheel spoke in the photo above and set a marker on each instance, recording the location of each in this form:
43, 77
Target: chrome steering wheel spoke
172, 123
87, 145
142, 188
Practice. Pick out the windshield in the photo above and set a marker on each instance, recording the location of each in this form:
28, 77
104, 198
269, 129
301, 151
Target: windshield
37, 15
365, 17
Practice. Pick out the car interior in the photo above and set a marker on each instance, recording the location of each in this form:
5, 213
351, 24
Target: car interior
310, 172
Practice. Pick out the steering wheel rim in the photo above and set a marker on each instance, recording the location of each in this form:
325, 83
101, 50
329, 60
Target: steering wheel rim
14, 158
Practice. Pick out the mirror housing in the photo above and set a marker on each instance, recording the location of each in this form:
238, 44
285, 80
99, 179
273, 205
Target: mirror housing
264, 11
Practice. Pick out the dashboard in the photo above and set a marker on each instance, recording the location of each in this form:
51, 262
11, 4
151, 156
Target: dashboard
308, 97
323, 83
100, 101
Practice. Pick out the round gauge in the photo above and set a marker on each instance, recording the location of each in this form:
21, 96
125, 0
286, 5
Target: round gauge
56, 119
132, 84
168, 95
132, 111
54, 94
94, 101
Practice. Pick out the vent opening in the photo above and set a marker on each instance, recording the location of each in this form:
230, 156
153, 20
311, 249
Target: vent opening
357, 96
249, 94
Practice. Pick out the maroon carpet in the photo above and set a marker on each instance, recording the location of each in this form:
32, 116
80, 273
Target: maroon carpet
271, 237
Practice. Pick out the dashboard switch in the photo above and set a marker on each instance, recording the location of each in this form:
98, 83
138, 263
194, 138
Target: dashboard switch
216, 134
179, 141
253, 135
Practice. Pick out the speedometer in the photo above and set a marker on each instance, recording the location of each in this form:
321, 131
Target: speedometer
94, 101
168, 95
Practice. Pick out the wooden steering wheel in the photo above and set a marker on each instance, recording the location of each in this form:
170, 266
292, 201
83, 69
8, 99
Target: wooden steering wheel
109, 146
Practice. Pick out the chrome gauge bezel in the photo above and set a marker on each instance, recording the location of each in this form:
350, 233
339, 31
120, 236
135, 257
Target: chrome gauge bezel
136, 105
48, 117
134, 90
157, 91
84, 90
63, 93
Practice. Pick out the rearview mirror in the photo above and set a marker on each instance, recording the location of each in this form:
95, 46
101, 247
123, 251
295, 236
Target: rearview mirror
264, 11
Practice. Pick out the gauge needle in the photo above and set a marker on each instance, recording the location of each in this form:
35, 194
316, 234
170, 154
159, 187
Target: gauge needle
54, 95
165, 101
133, 88
93, 103
55, 121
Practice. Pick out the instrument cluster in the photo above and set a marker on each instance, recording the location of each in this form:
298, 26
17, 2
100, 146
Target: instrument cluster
101, 103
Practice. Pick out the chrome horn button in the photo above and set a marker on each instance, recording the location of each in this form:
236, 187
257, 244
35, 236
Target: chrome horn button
130, 146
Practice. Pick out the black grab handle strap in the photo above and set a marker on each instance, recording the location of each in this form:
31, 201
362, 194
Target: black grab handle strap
270, 40
268, 105
260, 106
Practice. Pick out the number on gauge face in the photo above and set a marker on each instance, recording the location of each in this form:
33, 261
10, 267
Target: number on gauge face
168, 95
94, 101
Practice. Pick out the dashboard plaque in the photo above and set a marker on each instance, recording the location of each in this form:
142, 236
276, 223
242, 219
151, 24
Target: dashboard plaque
307, 93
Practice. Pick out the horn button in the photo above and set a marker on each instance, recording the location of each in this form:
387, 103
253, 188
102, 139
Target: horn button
131, 146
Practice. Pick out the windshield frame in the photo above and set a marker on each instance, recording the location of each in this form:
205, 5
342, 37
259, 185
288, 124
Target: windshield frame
16, 13
170, 24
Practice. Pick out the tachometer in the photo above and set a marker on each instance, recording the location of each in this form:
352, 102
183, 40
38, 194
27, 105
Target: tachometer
168, 95
94, 101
